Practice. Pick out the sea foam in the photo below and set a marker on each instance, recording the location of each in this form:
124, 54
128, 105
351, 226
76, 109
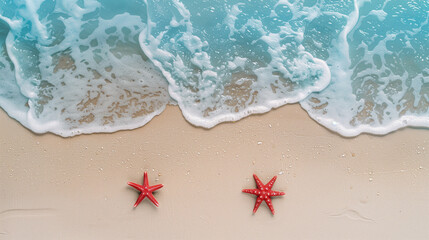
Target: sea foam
83, 66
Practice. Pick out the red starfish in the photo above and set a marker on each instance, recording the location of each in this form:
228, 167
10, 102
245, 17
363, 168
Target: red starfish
146, 190
263, 192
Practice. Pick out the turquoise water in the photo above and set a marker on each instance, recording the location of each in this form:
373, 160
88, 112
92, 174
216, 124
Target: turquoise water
83, 66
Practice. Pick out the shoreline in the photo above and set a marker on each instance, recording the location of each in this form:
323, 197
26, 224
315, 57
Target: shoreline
366, 187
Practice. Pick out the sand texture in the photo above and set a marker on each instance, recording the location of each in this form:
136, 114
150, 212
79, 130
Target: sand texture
368, 187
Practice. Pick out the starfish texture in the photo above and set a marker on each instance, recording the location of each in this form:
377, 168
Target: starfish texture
145, 190
264, 193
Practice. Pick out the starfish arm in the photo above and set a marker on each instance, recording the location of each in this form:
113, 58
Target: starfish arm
145, 180
252, 191
135, 185
276, 193
257, 204
139, 200
270, 205
259, 184
152, 198
155, 187
270, 184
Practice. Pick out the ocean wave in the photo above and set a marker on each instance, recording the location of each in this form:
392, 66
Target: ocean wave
84, 66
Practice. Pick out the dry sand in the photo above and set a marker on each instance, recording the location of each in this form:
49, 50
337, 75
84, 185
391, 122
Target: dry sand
367, 187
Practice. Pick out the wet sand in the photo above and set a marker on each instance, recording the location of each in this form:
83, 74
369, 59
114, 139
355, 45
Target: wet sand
368, 187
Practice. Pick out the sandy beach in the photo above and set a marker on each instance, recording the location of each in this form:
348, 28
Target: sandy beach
368, 187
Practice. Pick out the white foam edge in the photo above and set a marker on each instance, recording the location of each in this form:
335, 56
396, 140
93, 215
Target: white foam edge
26, 118
230, 117
404, 121
55, 126
332, 124
110, 129
29, 120
11, 110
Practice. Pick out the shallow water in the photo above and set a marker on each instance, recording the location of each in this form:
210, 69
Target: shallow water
83, 66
